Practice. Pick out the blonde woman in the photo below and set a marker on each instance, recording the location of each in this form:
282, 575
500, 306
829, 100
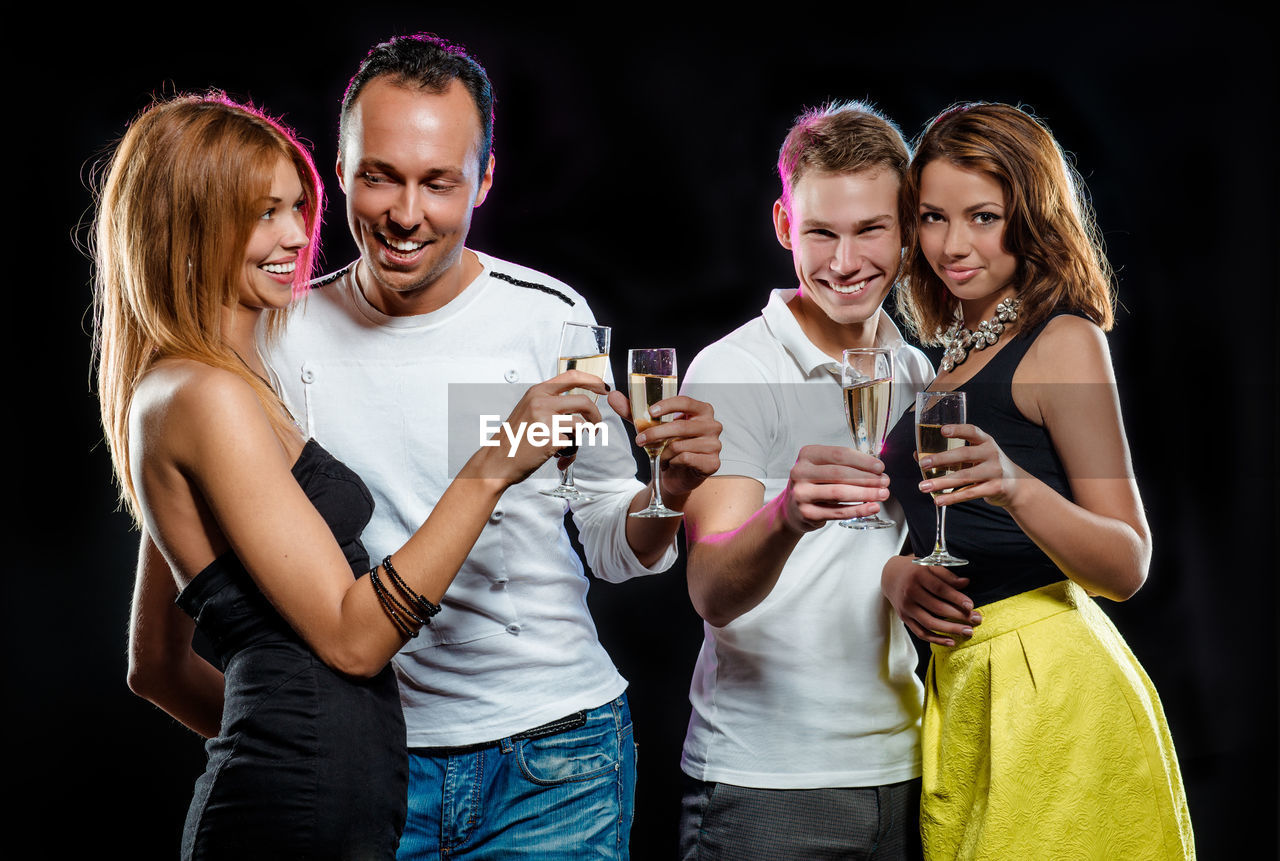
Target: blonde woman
206, 228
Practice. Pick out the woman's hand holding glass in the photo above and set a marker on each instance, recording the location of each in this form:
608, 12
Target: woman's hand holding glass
985, 471
572, 393
583, 347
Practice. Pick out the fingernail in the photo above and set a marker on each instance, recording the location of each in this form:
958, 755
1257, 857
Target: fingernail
968, 632
641, 440
948, 430
975, 619
926, 486
968, 605
883, 493
926, 462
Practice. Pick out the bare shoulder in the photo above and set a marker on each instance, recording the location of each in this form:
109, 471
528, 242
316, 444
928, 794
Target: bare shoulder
1070, 349
180, 404
183, 388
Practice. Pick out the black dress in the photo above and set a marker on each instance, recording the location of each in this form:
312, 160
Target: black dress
309, 763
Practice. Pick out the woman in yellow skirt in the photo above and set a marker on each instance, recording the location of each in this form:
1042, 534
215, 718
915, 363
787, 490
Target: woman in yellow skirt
1043, 738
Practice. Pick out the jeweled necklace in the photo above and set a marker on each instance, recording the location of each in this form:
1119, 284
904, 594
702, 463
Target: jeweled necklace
959, 340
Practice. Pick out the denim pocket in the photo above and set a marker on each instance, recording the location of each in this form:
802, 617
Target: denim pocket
581, 754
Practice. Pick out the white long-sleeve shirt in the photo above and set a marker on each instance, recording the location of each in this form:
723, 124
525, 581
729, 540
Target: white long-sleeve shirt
400, 401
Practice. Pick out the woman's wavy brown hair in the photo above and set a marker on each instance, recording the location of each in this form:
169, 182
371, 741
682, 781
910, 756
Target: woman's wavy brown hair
175, 213
1049, 225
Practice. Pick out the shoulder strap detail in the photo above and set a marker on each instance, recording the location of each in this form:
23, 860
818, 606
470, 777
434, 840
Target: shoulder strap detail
533, 285
330, 278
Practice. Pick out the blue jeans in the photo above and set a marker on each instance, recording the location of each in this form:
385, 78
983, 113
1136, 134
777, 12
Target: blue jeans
564, 796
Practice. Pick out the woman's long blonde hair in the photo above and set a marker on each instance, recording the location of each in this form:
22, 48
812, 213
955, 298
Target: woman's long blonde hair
174, 216
1049, 225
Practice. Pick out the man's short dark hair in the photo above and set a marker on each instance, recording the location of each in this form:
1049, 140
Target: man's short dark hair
428, 62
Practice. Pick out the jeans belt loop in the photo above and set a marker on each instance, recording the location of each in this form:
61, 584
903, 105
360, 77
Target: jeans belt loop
555, 727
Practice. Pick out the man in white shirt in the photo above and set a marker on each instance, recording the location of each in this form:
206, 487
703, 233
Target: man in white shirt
804, 736
519, 733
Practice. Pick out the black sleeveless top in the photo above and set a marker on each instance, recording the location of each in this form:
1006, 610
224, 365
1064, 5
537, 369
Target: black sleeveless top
1003, 561
308, 763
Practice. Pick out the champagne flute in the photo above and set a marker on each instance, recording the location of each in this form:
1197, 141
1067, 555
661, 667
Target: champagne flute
651, 375
866, 376
933, 410
583, 347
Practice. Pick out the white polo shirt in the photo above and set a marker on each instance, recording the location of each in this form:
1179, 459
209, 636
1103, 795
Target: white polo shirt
815, 686
399, 400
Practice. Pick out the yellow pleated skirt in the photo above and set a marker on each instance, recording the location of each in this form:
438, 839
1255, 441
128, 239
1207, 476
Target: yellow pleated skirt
1043, 738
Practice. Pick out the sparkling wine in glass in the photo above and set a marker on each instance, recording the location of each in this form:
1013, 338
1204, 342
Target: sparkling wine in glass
866, 376
933, 410
583, 347
651, 376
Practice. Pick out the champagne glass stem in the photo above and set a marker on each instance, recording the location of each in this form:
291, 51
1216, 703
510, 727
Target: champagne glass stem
566, 488
654, 465
940, 538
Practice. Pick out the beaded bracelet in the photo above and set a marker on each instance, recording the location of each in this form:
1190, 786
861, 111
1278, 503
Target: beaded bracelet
390, 605
421, 604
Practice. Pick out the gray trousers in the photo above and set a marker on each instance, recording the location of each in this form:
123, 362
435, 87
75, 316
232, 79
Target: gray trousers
723, 822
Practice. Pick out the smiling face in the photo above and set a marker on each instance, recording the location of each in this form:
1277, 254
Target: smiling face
279, 234
962, 223
411, 175
842, 231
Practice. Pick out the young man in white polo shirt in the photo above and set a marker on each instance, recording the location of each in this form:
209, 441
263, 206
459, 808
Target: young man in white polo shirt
804, 737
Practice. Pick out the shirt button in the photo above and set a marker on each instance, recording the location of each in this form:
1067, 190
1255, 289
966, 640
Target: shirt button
308, 375
514, 628
512, 376
496, 517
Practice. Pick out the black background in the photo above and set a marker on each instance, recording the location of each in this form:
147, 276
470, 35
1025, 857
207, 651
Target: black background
635, 159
